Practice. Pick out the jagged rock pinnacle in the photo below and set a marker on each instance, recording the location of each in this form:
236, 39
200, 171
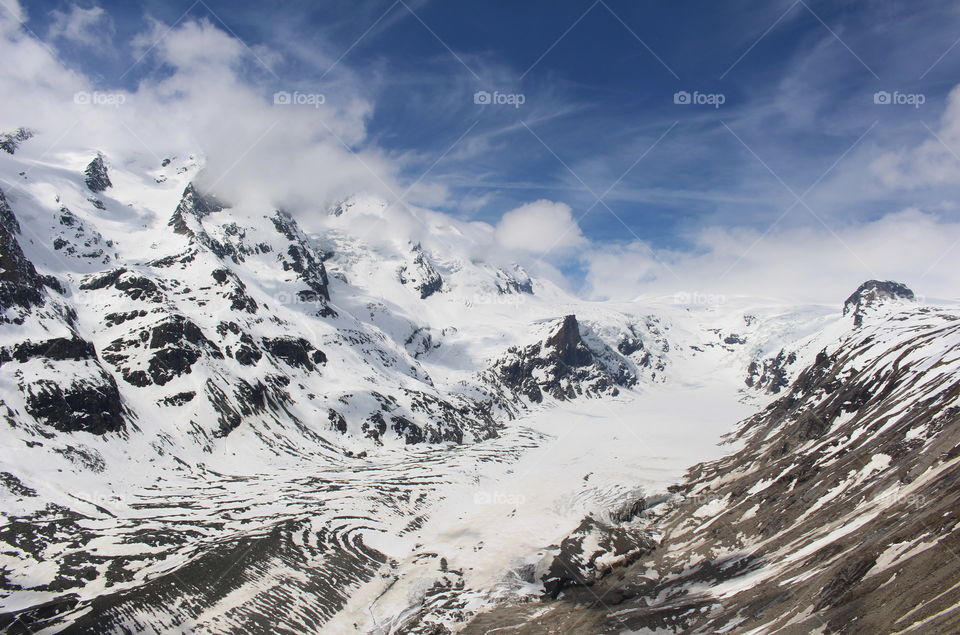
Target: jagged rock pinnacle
96, 175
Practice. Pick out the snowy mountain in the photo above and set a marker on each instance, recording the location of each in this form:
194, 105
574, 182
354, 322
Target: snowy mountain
219, 420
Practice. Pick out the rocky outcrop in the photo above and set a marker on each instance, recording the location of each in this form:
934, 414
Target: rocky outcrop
10, 141
871, 295
95, 175
561, 366
771, 375
305, 260
420, 274
79, 403
589, 553
170, 347
515, 281
295, 351
20, 284
76, 239
193, 205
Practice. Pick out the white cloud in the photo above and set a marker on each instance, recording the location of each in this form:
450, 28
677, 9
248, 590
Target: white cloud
542, 227
935, 161
808, 264
208, 94
87, 27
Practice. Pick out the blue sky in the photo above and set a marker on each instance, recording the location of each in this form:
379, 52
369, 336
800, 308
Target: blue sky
598, 79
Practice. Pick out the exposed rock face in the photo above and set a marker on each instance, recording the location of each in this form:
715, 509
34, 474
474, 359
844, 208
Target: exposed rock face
81, 404
10, 141
96, 175
515, 281
77, 240
872, 294
295, 351
590, 552
771, 374
420, 274
562, 366
20, 284
304, 259
839, 513
193, 204
173, 345
79, 395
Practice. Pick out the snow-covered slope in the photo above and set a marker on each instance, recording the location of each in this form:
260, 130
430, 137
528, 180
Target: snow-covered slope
218, 419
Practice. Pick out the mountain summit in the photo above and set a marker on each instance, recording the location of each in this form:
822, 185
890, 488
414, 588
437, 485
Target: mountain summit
873, 294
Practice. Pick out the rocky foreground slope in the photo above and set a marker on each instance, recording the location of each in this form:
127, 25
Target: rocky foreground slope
838, 514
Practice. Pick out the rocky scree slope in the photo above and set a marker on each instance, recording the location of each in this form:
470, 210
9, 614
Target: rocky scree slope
838, 514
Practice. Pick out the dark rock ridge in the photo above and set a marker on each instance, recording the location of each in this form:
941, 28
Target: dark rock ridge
303, 259
10, 141
193, 204
420, 274
96, 175
562, 366
872, 294
20, 284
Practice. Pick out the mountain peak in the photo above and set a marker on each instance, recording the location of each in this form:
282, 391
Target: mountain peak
193, 203
10, 141
872, 294
96, 175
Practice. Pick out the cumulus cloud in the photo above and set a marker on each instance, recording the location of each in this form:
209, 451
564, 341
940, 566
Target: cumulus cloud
805, 264
204, 92
542, 227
